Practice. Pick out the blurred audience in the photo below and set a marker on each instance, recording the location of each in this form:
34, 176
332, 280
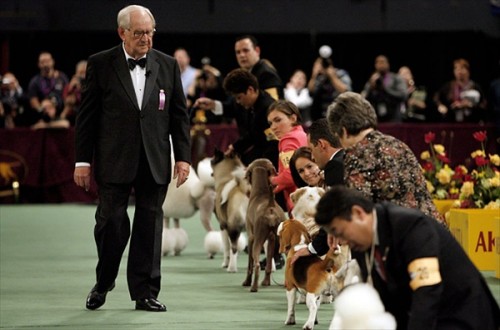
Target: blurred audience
416, 103
386, 91
13, 101
188, 73
494, 101
209, 85
297, 93
48, 83
72, 93
50, 118
326, 83
461, 99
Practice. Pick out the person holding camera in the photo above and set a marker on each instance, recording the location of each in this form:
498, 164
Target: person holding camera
49, 83
72, 93
49, 116
13, 101
386, 91
326, 83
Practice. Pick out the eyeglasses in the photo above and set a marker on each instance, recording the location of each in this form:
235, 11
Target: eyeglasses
140, 34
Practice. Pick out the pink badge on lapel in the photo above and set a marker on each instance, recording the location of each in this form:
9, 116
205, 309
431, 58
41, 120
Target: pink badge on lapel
162, 100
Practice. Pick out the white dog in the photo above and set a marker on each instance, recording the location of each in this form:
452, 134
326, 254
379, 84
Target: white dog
214, 244
370, 314
183, 202
304, 201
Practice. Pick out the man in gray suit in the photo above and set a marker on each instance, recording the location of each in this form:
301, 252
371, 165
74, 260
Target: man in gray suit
132, 103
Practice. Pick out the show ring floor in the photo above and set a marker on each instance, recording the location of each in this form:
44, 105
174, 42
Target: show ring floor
47, 262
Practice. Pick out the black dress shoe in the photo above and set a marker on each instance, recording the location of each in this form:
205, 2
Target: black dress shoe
96, 299
150, 305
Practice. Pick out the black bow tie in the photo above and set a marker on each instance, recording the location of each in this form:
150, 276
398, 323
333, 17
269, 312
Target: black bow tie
132, 63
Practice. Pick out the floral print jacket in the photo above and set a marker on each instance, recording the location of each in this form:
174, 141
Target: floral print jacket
385, 169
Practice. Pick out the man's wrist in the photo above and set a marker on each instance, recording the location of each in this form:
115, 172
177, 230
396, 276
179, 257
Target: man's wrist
311, 249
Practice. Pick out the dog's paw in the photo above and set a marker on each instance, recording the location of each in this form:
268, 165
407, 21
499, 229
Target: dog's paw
308, 326
290, 320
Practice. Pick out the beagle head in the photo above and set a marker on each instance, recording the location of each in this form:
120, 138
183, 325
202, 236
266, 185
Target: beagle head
292, 233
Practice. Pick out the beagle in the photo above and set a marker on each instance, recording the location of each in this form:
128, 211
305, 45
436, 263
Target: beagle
310, 275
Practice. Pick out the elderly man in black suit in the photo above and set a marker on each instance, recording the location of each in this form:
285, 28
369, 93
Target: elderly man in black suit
132, 105
422, 274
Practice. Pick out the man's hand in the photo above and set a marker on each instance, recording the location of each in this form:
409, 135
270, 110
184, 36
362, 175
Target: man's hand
204, 103
304, 252
181, 172
82, 177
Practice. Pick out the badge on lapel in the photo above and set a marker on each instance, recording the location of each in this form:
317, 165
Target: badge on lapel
162, 100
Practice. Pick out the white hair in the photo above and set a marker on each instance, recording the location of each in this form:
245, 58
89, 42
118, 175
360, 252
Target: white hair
123, 18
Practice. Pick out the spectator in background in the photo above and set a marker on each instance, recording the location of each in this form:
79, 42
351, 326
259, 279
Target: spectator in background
416, 103
461, 99
50, 118
379, 165
13, 100
494, 100
188, 73
247, 52
49, 83
297, 92
326, 83
72, 93
386, 91
209, 85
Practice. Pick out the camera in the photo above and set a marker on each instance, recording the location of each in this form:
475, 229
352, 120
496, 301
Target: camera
325, 52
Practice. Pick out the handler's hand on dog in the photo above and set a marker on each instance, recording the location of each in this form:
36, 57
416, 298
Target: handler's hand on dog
304, 252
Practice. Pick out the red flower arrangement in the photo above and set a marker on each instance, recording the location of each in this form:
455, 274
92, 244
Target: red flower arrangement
481, 189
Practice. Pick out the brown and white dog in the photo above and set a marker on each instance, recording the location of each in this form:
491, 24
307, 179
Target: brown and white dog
231, 203
310, 275
263, 218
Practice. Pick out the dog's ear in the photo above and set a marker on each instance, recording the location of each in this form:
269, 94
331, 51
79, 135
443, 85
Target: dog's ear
295, 196
218, 157
273, 171
248, 173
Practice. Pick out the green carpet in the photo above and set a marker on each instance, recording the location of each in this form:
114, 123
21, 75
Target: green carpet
47, 262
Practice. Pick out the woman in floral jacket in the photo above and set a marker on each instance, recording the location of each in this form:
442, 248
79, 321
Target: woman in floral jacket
379, 165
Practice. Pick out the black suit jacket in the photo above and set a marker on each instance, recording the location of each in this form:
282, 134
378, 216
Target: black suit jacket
461, 301
334, 174
111, 127
252, 125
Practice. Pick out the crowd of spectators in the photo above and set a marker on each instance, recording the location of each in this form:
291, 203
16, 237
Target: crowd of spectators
395, 94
